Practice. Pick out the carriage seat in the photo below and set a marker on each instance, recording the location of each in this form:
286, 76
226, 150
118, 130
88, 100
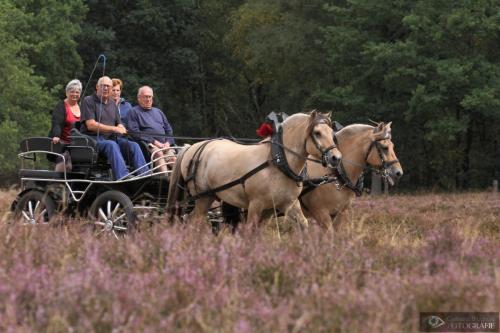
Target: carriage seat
82, 149
40, 144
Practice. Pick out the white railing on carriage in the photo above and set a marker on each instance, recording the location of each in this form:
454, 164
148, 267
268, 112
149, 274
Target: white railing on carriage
77, 195
152, 169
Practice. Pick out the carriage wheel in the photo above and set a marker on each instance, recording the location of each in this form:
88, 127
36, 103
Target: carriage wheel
35, 207
113, 212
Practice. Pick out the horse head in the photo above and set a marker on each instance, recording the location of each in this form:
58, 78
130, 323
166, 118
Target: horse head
321, 139
381, 153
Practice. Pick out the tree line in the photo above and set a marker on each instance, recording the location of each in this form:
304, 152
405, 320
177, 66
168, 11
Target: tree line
218, 67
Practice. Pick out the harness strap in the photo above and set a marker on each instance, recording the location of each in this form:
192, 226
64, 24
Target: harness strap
240, 180
195, 161
356, 188
311, 183
279, 157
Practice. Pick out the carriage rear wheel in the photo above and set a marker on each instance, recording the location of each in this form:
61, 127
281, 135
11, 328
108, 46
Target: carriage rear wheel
35, 207
113, 212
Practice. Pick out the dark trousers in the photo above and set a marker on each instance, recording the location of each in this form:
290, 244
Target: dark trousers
120, 150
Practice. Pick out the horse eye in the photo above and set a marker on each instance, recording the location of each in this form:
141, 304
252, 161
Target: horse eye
317, 133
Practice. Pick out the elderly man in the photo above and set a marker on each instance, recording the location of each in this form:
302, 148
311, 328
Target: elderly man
100, 118
152, 127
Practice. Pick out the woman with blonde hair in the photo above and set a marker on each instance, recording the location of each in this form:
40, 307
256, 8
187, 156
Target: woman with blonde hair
123, 106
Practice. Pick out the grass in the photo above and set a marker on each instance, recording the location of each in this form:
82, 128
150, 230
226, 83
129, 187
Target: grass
399, 256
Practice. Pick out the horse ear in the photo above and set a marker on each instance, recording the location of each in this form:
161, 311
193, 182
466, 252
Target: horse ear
387, 130
314, 113
379, 128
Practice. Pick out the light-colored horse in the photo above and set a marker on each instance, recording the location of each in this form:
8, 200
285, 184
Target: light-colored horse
206, 166
362, 147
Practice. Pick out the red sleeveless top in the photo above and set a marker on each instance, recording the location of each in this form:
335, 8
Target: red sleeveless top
69, 123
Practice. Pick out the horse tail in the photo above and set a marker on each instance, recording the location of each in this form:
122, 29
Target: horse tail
176, 186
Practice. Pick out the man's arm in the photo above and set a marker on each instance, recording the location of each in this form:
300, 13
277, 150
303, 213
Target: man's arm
169, 132
94, 126
135, 128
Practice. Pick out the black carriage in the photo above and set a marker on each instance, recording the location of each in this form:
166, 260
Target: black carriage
87, 190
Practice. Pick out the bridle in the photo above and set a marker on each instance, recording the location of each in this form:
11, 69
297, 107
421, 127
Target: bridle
339, 175
382, 169
324, 152
278, 151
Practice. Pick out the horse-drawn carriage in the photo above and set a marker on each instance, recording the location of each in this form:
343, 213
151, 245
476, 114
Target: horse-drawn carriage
87, 190
261, 178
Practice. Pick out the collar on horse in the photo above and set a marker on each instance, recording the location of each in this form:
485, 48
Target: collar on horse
279, 158
278, 149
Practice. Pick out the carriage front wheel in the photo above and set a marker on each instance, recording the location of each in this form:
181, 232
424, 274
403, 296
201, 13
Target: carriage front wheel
113, 212
35, 207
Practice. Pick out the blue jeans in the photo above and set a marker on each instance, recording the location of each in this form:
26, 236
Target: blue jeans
120, 150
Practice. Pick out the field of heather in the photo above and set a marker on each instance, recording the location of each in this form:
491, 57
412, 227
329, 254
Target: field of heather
400, 255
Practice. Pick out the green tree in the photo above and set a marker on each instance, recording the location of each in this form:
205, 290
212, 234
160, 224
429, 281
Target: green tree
48, 33
278, 43
21, 93
37, 57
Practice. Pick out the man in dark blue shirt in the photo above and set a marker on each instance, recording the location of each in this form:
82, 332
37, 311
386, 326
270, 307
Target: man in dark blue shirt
100, 118
150, 125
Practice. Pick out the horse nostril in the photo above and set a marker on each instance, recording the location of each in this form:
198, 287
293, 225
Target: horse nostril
399, 174
334, 161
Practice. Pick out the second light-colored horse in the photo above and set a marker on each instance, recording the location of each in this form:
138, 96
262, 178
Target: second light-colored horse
362, 146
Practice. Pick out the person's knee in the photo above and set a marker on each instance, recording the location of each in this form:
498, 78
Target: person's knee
108, 146
134, 146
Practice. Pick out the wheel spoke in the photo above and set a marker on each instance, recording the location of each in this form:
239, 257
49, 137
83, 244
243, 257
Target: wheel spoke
30, 209
36, 206
26, 216
114, 233
109, 209
115, 210
100, 232
118, 227
100, 223
120, 217
101, 212
42, 216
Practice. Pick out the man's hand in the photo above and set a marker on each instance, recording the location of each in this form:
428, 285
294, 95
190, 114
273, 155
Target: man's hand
120, 129
161, 145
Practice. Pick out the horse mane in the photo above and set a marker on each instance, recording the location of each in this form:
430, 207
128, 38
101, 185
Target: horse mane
299, 118
354, 129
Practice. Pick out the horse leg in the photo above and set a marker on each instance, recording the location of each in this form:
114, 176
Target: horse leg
323, 218
200, 210
254, 215
295, 213
342, 217
231, 215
